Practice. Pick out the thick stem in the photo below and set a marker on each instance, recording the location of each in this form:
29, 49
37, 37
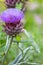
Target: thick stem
7, 47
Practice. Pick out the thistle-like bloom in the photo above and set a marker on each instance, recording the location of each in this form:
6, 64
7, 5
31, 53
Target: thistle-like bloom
11, 3
12, 18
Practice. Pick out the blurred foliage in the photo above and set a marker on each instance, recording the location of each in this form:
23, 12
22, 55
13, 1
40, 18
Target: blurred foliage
31, 26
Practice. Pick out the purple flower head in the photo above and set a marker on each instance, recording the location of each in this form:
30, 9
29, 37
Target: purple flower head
12, 18
12, 15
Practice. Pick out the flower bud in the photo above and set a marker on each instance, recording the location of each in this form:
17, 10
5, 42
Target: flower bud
12, 3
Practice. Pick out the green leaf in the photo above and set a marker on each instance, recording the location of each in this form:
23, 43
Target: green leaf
32, 40
18, 38
19, 58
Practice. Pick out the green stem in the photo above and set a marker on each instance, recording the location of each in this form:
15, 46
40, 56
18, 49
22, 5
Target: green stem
20, 49
7, 47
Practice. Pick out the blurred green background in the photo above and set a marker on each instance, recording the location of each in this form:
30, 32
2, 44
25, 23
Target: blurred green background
33, 23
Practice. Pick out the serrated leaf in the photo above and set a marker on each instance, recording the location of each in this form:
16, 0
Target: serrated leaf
27, 63
32, 40
19, 58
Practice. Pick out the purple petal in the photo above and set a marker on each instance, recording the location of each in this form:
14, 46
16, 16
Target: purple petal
12, 15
